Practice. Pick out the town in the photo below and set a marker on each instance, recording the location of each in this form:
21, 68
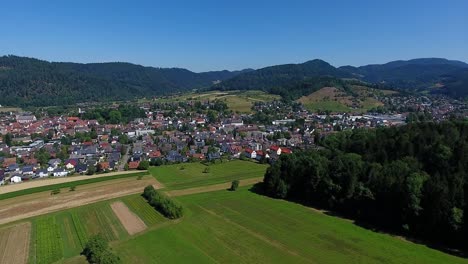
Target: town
91, 139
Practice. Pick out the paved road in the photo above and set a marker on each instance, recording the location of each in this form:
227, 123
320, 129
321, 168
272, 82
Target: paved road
124, 158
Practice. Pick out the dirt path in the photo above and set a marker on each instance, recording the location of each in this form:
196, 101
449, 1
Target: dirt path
15, 244
211, 188
131, 222
50, 181
42, 203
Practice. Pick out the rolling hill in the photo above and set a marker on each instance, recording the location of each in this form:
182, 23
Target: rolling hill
429, 74
33, 82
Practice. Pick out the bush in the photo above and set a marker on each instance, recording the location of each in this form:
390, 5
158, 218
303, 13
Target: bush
54, 192
97, 250
234, 185
144, 165
206, 170
162, 203
72, 188
140, 177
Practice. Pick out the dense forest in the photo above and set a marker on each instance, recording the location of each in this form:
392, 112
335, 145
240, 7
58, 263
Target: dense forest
450, 77
32, 82
411, 179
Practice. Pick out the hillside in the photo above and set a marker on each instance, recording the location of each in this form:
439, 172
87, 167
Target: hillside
417, 74
413, 75
355, 98
274, 77
32, 82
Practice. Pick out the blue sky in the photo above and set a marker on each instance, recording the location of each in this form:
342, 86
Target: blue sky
212, 35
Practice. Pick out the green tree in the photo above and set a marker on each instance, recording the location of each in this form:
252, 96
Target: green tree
234, 185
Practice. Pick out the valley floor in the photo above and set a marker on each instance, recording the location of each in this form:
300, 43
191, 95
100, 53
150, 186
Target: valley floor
218, 226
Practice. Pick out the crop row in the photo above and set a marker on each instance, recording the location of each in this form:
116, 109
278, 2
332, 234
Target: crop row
48, 241
79, 229
140, 207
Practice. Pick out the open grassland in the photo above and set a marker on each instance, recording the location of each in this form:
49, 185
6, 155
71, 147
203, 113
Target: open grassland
238, 101
182, 176
15, 190
243, 227
357, 99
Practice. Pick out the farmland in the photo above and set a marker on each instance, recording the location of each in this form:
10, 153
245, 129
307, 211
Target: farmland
242, 226
237, 101
245, 227
182, 176
14, 243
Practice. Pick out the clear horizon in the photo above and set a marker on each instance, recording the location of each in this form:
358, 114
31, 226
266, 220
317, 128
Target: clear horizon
211, 36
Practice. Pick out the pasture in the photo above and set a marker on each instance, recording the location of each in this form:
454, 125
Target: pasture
358, 99
237, 101
189, 175
244, 227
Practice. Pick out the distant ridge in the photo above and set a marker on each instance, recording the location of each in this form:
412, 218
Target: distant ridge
414, 75
32, 82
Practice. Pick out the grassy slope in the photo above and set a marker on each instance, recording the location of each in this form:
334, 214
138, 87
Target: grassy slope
67, 185
241, 101
173, 177
243, 227
330, 99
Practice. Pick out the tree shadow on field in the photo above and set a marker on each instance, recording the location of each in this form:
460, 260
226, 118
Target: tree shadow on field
259, 189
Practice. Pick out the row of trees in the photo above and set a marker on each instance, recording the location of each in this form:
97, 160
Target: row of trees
410, 179
162, 203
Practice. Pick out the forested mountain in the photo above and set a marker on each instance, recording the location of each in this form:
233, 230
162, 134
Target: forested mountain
281, 77
435, 75
417, 74
411, 179
27, 81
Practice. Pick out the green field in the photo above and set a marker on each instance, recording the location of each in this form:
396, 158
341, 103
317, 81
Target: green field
62, 235
182, 176
243, 227
221, 227
68, 185
238, 101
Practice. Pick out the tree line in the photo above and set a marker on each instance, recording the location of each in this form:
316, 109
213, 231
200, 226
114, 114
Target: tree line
162, 203
410, 179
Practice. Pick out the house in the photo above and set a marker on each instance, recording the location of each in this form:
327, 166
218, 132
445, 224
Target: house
54, 163
214, 156
71, 163
15, 179
13, 168
286, 151
275, 149
60, 172
174, 156
81, 168
28, 170
8, 161
133, 165
260, 155
250, 153
103, 166
42, 173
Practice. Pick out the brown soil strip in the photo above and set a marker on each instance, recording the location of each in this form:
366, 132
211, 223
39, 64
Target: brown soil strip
131, 222
26, 206
211, 188
16, 249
